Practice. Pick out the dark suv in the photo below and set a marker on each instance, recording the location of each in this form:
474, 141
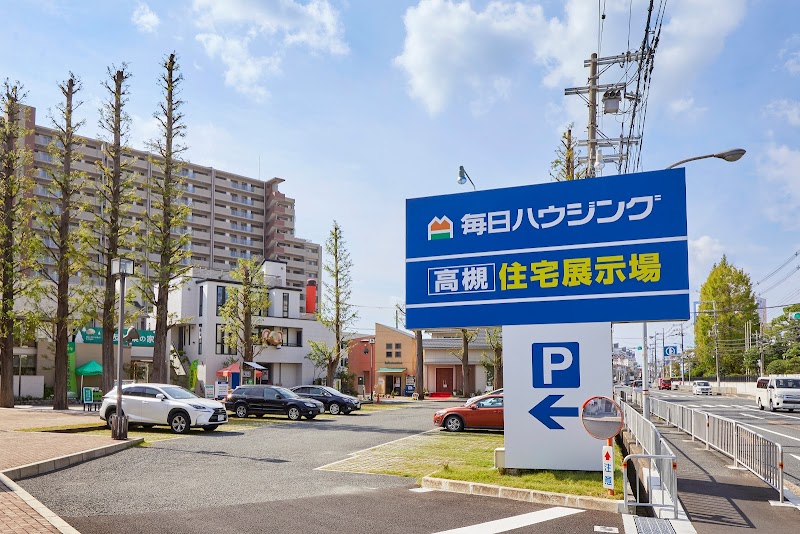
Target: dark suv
335, 401
261, 400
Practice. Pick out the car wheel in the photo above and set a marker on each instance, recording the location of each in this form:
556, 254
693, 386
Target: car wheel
210, 428
241, 410
334, 408
293, 413
109, 413
310, 416
453, 423
771, 407
179, 422
760, 405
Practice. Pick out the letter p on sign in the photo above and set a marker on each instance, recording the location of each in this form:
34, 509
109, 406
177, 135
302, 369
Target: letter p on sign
556, 365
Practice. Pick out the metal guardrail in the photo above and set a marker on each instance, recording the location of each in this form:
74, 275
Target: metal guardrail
747, 448
662, 462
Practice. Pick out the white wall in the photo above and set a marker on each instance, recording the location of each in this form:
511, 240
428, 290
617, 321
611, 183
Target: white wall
32, 386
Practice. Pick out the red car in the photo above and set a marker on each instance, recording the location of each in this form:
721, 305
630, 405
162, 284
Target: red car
664, 383
484, 413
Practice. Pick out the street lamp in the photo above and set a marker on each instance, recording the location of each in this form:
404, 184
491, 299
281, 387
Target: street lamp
120, 267
729, 155
463, 177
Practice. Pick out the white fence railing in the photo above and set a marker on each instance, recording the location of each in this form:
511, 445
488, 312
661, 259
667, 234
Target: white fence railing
747, 448
661, 463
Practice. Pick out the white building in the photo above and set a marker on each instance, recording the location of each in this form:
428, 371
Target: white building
443, 367
200, 338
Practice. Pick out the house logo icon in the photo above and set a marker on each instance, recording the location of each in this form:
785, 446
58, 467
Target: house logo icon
440, 228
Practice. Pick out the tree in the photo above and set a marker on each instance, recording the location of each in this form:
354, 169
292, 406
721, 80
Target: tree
112, 228
242, 303
729, 290
564, 168
336, 312
494, 336
165, 245
58, 220
467, 337
17, 240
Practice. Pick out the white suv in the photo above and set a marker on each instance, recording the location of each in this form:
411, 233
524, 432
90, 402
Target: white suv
701, 387
778, 392
164, 404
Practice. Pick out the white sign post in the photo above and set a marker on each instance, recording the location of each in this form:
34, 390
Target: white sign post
608, 467
548, 373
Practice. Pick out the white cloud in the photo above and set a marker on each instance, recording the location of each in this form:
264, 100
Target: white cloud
144, 18
778, 169
790, 55
788, 110
704, 252
237, 32
686, 107
451, 48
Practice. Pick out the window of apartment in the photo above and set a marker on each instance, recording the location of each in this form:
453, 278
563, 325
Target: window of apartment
397, 346
222, 296
388, 354
202, 298
388, 346
286, 305
221, 346
397, 354
299, 338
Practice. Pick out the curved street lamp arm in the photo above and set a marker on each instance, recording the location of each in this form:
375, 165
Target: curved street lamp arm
681, 162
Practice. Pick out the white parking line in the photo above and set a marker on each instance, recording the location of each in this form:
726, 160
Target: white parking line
517, 521
753, 416
794, 456
708, 405
692, 405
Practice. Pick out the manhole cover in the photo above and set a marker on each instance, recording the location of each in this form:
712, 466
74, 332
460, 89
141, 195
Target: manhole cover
652, 525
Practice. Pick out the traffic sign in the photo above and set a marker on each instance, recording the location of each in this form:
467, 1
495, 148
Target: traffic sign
670, 350
794, 315
562, 366
599, 250
608, 467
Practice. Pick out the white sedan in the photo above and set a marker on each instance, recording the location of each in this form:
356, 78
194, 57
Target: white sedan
701, 387
164, 404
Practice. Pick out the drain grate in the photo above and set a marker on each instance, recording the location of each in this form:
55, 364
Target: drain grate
653, 525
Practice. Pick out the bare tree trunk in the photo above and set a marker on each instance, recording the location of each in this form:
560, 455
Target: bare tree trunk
160, 348
464, 362
7, 245
498, 368
420, 365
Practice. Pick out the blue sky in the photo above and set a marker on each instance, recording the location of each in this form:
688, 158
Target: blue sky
361, 104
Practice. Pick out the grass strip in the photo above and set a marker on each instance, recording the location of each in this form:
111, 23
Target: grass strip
469, 456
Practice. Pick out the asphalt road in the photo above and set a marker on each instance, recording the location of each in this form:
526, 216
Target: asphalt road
780, 426
264, 479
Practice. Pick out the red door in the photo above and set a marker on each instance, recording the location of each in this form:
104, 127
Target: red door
444, 380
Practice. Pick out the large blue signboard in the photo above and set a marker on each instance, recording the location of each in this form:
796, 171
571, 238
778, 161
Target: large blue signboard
610, 249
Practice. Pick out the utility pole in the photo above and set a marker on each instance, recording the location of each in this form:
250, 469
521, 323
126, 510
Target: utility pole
683, 357
592, 140
716, 342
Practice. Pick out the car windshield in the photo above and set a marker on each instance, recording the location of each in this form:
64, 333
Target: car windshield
287, 393
785, 383
331, 390
701, 383
177, 392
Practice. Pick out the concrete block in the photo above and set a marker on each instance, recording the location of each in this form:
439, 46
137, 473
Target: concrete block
458, 486
487, 490
546, 497
47, 466
500, 458
62, 462
515, 494
28, 471
13, 474
433, 483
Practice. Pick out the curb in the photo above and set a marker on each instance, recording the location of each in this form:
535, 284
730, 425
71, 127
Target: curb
518, 494
58, 523
9, 476
40, 468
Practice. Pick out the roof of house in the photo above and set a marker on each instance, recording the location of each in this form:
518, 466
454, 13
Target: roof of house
399, 331
480, 342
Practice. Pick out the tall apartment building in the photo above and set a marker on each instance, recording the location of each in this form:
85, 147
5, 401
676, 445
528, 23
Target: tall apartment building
232, 216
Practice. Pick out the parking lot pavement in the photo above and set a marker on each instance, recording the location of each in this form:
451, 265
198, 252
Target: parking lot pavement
266, 479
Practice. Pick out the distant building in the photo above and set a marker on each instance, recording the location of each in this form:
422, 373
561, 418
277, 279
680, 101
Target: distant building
395, 360
443, 368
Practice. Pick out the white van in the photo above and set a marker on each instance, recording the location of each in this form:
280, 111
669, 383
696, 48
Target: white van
778, 392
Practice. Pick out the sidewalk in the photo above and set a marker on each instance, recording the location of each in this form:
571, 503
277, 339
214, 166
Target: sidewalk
718, 499
30, 453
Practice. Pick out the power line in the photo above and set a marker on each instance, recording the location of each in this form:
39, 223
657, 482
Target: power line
784, 264
782, 280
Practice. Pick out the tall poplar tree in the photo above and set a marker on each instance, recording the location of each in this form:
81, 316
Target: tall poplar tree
112, 229
243, 302
58, 220
17, 242
164, 241
336, 312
